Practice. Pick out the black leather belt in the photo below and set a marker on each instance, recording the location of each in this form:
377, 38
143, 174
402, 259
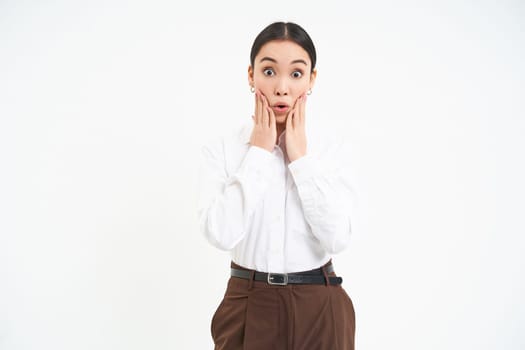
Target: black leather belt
281, 279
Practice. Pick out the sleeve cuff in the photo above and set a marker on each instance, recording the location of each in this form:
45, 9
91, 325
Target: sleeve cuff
303, 169
257, 162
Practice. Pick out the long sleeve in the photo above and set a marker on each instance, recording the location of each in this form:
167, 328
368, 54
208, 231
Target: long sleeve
227, 201
328, 195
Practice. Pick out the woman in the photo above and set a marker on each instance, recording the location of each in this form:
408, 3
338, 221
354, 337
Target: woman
281, 208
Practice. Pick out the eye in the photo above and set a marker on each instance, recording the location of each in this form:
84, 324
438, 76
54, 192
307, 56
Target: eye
297, 74
269, 72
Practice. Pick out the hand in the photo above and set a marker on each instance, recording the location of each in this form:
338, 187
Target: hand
264, 131
295, 131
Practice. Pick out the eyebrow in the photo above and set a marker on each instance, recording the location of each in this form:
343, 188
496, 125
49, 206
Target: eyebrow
299, 61
273, 60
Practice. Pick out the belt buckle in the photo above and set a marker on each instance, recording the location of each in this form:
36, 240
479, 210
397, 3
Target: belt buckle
282, 279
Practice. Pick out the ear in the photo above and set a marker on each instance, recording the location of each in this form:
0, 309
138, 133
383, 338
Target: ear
313, 75
250, 75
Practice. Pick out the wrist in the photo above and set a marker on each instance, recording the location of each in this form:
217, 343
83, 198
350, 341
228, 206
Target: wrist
297, 156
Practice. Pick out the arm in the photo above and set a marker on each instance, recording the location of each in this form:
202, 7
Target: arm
328, 195
226, 202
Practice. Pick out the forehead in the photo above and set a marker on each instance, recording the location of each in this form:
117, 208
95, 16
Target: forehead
283, 51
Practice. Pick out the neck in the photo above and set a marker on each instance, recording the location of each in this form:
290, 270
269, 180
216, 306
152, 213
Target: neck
280, 129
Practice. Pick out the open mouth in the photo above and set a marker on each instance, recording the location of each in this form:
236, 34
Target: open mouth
280, 108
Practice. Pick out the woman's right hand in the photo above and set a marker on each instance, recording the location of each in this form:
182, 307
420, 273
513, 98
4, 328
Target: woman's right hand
264, 131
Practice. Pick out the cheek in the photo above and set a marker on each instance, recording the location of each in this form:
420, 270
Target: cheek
300, 87
305, 86
263, 85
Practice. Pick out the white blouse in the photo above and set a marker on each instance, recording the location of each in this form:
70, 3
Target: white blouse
273, 215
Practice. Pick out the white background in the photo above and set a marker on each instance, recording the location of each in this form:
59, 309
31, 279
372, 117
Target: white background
104, 106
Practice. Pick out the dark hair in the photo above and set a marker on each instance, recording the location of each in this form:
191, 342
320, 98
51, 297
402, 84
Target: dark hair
284, 31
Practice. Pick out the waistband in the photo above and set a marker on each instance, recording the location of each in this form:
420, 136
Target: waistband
314, 276
318, 271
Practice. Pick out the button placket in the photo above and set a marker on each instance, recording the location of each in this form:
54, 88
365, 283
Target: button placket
276, 214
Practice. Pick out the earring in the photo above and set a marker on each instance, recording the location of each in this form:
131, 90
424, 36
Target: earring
252, 89
309, 92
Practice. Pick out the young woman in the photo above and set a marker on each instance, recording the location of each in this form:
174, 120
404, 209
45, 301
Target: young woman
279, 197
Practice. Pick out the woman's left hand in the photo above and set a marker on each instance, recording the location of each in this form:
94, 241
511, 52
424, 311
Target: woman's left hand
295, 131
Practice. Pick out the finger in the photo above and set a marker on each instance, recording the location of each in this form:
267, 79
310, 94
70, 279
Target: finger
296, 103
255, 108
272, 118
258, 116
302, 107
289, 118
295, 112
266, 115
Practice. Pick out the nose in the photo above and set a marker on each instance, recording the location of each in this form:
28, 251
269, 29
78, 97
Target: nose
281, 88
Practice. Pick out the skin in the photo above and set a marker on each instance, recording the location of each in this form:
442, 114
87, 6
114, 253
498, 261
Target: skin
282, 73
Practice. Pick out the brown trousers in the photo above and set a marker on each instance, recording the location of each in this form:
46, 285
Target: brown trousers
254, 315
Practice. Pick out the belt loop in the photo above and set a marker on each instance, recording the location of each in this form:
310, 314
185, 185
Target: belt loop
252, 277
326, 280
